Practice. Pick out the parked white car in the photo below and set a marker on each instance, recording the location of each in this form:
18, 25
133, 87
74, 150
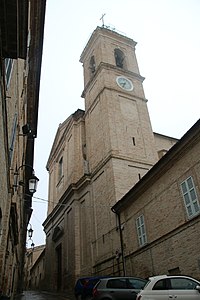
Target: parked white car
166, 287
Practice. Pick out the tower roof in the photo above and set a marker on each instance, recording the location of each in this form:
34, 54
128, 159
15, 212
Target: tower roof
108, 32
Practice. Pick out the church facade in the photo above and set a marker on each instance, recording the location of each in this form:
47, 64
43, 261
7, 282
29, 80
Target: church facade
97, 156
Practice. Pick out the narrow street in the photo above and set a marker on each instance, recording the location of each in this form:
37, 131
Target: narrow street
42, 295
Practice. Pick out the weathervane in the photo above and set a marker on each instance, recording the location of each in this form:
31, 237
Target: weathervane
102, 19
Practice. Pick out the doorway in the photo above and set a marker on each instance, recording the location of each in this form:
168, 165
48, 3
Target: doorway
59, 266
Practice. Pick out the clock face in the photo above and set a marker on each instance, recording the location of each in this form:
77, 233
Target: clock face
124, 83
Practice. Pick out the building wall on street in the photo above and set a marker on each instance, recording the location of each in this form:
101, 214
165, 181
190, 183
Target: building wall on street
12, 153
37, 274
172, 237
4, 184
34, 267
174, 254
20, 63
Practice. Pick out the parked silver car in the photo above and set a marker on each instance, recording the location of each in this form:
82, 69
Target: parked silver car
118, 288
165, 287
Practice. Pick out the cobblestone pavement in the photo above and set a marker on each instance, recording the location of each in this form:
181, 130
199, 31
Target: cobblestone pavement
42, 295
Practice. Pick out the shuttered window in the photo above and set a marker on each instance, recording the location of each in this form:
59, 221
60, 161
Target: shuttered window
8, 69
141, 231
190, 197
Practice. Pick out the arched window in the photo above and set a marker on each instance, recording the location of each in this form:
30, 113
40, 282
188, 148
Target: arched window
60, 168
119, 58
92, 64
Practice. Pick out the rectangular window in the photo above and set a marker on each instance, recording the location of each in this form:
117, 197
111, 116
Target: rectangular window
8, 69
190, 197
12, 138
141, 231
60, 168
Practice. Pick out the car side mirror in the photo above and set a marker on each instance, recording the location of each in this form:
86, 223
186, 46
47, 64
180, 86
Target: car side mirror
198, 288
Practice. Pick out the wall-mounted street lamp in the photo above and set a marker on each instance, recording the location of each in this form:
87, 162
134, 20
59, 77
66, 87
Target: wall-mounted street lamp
30, 231
30, 235
32, 245
32, 181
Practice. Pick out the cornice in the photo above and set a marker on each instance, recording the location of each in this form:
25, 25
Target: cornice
66, 199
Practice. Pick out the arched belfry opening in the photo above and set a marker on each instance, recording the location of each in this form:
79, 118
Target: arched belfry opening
92, 66
119, 58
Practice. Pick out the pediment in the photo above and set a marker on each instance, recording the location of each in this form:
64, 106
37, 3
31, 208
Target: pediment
62, 133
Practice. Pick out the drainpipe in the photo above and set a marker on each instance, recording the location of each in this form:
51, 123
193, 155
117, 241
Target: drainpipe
121, 240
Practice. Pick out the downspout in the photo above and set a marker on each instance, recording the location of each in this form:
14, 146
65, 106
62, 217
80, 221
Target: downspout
121, 240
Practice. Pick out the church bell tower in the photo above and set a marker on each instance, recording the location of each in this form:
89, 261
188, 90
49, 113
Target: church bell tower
118, 128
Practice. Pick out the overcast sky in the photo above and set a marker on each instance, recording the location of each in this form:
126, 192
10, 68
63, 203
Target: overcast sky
167, 33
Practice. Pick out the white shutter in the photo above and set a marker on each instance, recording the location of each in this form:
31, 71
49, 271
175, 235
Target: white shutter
190, 197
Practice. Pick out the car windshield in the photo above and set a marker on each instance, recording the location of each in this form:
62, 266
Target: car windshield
136, 283
146, 284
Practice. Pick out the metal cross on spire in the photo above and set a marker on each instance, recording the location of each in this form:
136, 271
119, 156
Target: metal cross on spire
102, 19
